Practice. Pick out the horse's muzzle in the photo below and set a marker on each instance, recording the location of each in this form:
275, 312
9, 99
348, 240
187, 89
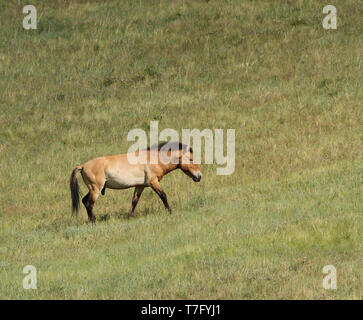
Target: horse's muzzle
197, 177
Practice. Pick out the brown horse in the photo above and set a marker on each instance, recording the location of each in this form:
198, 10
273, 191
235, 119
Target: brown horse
117, 172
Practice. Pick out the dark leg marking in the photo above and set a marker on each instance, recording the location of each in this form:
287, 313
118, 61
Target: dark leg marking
85, 200
135, 200
163, 198
89, 207
156, 187
103, 189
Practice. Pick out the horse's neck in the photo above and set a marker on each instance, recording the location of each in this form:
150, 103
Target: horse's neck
169, 168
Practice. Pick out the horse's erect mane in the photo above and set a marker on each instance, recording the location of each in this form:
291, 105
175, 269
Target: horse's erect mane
172, 145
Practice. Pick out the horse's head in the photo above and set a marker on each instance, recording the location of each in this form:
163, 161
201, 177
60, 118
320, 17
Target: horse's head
188, 166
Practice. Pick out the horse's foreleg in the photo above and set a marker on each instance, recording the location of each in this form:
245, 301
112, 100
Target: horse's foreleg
135, 199
157, 188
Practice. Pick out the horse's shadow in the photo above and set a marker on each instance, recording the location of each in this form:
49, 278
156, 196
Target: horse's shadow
124, 214
104, 217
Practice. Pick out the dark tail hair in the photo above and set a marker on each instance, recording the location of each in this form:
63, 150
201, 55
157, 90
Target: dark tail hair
73, 183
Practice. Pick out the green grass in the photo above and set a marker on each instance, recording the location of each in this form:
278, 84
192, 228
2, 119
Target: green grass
72, 89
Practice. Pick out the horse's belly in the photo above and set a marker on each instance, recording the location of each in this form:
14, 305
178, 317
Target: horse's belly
123, 180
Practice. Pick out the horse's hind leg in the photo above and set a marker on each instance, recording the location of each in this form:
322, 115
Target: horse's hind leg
89, 202
95, 183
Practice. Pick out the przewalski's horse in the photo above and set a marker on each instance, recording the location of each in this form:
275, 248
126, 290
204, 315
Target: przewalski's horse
116, 172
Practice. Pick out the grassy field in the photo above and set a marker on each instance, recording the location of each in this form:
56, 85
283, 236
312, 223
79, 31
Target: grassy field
71, 91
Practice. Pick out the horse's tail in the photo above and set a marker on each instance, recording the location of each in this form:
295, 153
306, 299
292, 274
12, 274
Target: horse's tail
73, 183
